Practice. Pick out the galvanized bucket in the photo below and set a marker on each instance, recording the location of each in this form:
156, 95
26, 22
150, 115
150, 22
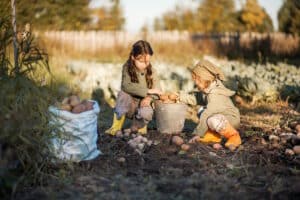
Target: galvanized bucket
170, 117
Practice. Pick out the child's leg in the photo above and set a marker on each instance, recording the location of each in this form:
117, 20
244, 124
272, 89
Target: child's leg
123, 107
221, 125
143, 117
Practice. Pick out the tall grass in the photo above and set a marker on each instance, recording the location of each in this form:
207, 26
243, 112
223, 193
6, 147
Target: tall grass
24, 118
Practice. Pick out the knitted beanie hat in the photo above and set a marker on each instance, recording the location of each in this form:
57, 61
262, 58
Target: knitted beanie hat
208, 71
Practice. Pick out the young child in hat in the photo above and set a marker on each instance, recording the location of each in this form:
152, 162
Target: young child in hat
139, 86
219, 118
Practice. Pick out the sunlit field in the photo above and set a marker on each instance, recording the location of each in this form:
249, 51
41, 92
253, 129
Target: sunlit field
72, 66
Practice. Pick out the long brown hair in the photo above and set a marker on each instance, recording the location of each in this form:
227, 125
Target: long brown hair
141, 47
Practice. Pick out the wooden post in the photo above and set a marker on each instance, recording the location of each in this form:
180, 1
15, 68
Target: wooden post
13, 6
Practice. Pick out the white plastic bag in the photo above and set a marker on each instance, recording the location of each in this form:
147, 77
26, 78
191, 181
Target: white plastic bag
78, 140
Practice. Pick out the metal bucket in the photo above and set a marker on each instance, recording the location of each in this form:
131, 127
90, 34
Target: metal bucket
170, 117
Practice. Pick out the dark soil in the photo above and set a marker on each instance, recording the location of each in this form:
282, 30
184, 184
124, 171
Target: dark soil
257, 170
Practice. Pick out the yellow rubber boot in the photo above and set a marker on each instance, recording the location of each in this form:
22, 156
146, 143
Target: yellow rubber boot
143, 131
232, 135
210, 137
116, 126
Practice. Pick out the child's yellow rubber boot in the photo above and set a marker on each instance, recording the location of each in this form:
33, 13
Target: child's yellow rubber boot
210, 136
232, 136
116, 126
143, 131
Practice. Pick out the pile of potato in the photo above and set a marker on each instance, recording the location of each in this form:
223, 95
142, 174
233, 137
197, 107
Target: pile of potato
168, 98
138, 143
75, 105
290, 141
293, 142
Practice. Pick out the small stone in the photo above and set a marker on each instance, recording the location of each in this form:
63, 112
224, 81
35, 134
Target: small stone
289, 152
156, 142
138, 139
119, 134
127, 134
133, 135
149, 143
217, 146
286, 136
133, 144
295, 140
134, 129
296, 149
127, 130
145, 140
212, 154
263, 141
274, 138
141, 146
275, 145
283, 141
229, 165
121, 159
138, 151
297, 128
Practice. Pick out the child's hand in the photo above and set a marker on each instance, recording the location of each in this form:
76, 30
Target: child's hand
154, 91
146, 101
194, 139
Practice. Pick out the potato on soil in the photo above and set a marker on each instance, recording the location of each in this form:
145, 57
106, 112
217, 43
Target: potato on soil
185, 147
177, 140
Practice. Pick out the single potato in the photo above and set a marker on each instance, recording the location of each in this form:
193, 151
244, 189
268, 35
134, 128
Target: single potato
74, 100
173, 96
177, 140
66, 107
163, 97
79, 108
88, 104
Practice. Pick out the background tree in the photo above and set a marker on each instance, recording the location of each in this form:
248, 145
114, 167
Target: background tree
216, 15
171, 21
289, 17
188, 21
210, 16
254, 18
5, 8
54, 14
110, 18
158, 24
